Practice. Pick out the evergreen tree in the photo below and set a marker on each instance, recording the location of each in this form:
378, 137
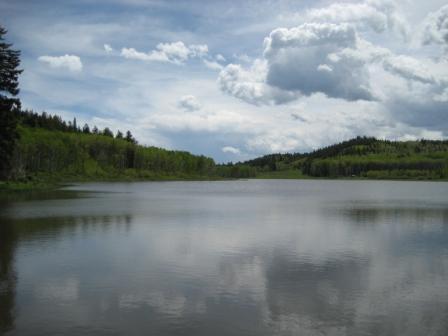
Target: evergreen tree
119, 135
9, 104
130, 138
108, 132
86, 129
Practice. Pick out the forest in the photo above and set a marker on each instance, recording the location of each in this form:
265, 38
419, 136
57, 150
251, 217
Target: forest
362, 157
51, 149
48, 146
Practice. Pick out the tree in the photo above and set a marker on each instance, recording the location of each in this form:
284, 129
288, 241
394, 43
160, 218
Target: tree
9, 104
108, 132
119, 135
130, 138
86, 129
95, 130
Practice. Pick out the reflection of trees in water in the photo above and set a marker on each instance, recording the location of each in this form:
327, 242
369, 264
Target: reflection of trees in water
29, 228
407, 229
13, 231
359, 214
8, 280
41, 195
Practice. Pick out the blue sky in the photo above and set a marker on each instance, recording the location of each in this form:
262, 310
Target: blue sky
237, 79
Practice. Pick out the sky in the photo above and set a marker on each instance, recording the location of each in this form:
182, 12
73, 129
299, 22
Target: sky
237, 79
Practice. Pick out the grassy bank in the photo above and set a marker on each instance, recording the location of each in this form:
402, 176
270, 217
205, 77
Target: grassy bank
43, 182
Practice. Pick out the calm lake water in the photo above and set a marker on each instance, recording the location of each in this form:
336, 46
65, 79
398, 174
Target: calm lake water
226, 258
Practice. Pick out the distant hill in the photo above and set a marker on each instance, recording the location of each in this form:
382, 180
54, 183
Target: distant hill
362, 157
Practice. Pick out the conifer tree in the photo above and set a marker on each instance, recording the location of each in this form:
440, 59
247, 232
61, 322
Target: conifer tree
86, 129
9, 103
107, 132
129, 138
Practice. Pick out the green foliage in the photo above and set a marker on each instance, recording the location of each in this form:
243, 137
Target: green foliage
42, 153
130, 138
368, 157
271, 162
235, 171
107, 132
362, 157
9, 104
49, 154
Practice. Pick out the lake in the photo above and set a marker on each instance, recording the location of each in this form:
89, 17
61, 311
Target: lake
257, 257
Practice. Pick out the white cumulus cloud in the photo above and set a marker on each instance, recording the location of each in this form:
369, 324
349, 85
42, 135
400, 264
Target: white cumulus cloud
380, 15
250, 84
220, 58
213, 65
108, 48
70, 62
324, 68
231, 150
293, 67
335, 58
409, 68
175, 52
189, 103
436, 27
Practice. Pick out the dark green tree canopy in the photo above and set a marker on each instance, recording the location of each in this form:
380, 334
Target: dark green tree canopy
86, 129
9, 104
9, 73
108, 132
130, 138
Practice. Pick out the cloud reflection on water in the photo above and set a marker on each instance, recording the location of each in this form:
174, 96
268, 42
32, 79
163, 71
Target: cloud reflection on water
261, 262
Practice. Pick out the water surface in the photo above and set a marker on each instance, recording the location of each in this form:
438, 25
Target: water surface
226, 258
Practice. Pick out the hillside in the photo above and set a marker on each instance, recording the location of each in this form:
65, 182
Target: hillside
65, 154
362, 157
49, 149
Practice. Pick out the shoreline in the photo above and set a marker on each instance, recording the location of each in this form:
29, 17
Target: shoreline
48, 185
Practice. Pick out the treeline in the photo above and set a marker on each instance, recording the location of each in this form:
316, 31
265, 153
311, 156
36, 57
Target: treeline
49, 147
46, 149
351, 167
369, 157
364, 157
56, 123
273, 162
231, 170
63, 155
